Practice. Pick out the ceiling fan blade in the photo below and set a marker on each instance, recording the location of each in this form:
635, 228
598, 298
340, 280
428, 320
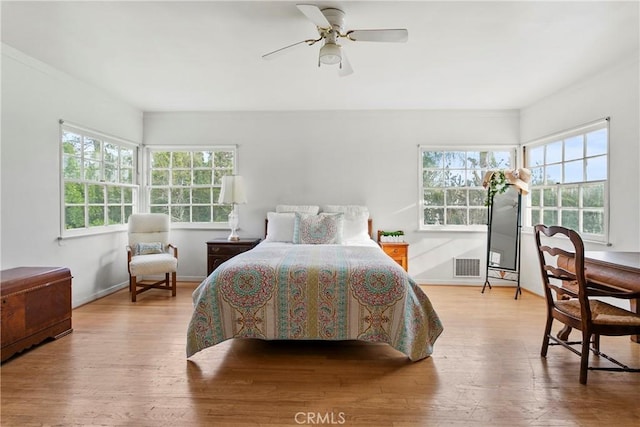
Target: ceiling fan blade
278, 52
345, 68
399, 35
314, 14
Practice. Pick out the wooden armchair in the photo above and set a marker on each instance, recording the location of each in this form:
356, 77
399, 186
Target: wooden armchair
150, 253
574, 305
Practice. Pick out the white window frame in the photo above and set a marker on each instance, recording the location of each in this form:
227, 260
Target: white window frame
101, 181
148, 184
528, 222
513, 149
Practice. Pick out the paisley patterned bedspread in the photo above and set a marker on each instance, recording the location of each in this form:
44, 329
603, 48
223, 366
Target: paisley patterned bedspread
313, 292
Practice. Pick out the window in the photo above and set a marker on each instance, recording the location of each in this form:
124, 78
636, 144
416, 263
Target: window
451, 191
185, 183
569, 180
98, 181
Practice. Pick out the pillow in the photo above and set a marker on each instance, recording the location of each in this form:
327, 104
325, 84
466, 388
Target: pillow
148, 248
280, 226
356, 222
308, 209
325, 228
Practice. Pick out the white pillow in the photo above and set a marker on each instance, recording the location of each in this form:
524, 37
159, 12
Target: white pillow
308, 209
280, 227
355, 226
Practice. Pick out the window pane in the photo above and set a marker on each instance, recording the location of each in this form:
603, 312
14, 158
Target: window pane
92, 149
96, 215
433, 178
434, 197
128, 210
474, 178
202, 159
180, 214
593, 196
160, 209
110, 153
477, 197
159, 196
201, 213
454, 178
221, 213
92, 170
537, 176
115, 215
218, 174
181, 160
126, 176
456, 216
454, 159
456, 197
497, 160
593, 222
535, 216
570, 219
573, 171
114, 194
202, 177
180, 196
433, 216
181, 177
554, 152
127, 194
126, 157
201, 195
74, 194
160, 177
74, 217
597, 142
95, 193
478, 216
597, 168
473, 160
535, 156
550, 197
160, 159
554, 174
550, 217
570, 197
71, 167
72, 144
432, 159
574, 148
223, 159
110, 172
536, 196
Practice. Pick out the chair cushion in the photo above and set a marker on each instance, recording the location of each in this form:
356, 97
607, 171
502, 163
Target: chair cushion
601, 312
153, 264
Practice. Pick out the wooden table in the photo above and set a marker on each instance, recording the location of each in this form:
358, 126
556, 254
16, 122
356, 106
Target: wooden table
621, 269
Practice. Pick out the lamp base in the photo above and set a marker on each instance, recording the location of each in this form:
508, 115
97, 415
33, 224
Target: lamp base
233, 238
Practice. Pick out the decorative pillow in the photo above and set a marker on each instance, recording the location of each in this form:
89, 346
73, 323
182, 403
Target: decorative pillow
148, 248
308, 209
280, 226
325, 228
356, 222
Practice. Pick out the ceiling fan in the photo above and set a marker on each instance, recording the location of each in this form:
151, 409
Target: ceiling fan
330, 25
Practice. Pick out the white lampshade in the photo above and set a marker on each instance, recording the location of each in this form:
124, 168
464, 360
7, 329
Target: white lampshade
232, 191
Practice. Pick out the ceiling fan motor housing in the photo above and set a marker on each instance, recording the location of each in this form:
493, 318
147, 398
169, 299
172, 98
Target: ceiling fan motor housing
330, 53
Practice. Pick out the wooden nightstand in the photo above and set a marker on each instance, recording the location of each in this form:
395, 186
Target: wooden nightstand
398, 251
220, 250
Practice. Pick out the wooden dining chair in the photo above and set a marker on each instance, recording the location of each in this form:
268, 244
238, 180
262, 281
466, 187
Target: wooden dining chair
570, 300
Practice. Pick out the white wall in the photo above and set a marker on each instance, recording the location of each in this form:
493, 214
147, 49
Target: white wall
614, 93
34, 98
340, 157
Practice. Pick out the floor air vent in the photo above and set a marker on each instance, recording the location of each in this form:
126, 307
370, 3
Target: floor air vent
466, 267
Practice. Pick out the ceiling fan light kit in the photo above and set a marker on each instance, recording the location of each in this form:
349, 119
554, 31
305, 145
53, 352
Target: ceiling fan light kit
329, 23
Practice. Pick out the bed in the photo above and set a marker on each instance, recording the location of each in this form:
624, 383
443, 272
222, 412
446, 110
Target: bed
314, 287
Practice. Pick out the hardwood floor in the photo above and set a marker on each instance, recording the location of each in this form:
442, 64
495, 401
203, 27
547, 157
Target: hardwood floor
124, 365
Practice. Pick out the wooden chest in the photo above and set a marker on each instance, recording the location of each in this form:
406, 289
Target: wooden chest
221, 250
36, 305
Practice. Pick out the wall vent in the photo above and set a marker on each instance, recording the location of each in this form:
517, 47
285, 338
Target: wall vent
466, 267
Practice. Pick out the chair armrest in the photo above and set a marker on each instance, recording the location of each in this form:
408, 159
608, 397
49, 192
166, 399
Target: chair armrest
175, 249
129, 253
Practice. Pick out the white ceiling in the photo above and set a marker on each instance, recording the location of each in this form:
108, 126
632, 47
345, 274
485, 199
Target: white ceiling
206, 55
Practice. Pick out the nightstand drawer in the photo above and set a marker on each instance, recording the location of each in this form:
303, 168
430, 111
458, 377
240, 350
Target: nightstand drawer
221, 250
399, 252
